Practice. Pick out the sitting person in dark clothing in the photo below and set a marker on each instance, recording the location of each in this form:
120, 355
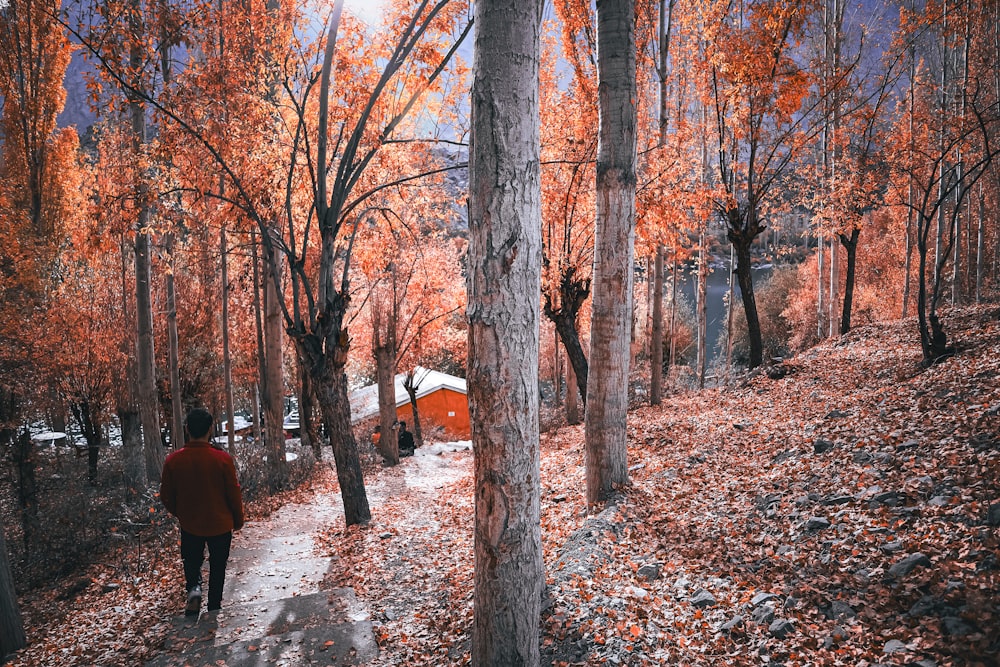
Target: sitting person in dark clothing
406, 446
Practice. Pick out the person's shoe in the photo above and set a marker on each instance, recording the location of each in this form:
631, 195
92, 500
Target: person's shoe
193, 606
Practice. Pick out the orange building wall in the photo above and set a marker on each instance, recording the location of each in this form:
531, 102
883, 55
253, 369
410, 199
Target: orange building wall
434, 410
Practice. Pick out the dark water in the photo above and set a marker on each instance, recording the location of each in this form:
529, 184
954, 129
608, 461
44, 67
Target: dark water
718, 288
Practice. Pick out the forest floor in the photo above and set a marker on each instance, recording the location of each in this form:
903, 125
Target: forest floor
843, 509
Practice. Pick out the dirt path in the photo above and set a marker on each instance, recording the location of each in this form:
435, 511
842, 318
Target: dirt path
274, 612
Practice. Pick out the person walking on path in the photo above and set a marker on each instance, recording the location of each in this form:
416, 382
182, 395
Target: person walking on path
199, 487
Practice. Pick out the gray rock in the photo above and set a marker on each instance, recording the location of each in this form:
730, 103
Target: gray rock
736, 622
839, 609
909, 444
892, 547
890, 498
956, 627
703, 598
763, 615
861, 456
993, 515
761, 598
817, 523
649, 571
781, 628
925, 606
821, 446
791, 602
939, 501
893, 646
636, 592
837, 500
908, 564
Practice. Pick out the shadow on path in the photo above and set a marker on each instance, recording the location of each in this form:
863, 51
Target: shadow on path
273, 610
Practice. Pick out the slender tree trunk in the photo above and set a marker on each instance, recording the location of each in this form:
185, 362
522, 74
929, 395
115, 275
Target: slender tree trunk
851, 245
227, 360
173, 350
605, 453
503, 281
820, 277
729, 309
308, 432
12, 636
572, 396
834, 289
702, 309
656, 339
258, 311
411, 383
274, 389
556, 369
673, 317
980, 246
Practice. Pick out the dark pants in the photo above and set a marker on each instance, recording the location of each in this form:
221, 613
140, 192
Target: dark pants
193, 555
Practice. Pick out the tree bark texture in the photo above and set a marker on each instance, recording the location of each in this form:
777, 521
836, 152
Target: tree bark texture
145, 358
133, 463
330, 384
572, 396
605, 456
850, 244
745, 278
274, 387
227, 360
656, 337
385, 375
173, 356
503, 283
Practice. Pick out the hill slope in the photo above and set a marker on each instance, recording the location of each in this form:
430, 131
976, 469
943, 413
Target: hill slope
845, 514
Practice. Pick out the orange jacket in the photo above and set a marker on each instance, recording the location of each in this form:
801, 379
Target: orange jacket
199, 487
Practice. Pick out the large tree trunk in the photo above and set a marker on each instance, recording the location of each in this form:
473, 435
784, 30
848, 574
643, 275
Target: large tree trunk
385, 373
11, 628
274, 389
504, 279
741, 244
656, 337
330, 384
145, 357
133, 463
851, 245
605, 454
565, 323
572, 396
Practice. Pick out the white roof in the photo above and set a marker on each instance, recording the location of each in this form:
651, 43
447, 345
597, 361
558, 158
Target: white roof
364, 401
